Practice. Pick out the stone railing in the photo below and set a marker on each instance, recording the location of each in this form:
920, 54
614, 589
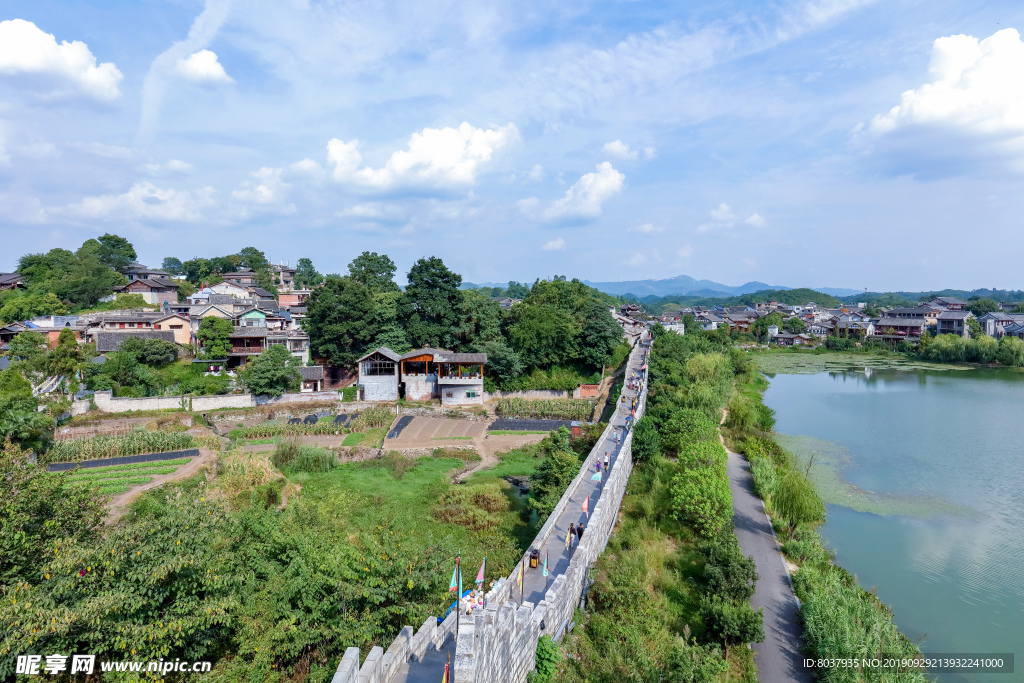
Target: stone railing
498, 643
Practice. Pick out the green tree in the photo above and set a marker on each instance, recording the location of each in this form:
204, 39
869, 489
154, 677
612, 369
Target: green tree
796, 501
759, 328
19, 419
37, 511
982, 305
256, 260
517, 290
1011, 352
66, 356
198, 270
432, 304
338, 319
376, 271
306, 276
116, 252
273, 372
600, 334
213, 335
172, 265
503, 363
729, 573
28, 306
974, 327
29, 347
542, 335
794, 325
479, 320
385, 326
152, 352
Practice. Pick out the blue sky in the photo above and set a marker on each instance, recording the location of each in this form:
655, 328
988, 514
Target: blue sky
841, 143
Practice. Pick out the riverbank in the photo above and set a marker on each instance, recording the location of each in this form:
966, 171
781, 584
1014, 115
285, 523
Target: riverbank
841, 619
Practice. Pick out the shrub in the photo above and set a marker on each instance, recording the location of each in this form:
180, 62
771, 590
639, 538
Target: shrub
377, 416
730, 574
731, 623
701, 497
477, 506
703, 454
687, 426
796, 501
545, 660
646, 440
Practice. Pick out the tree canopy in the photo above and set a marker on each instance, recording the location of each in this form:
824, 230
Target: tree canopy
273, 372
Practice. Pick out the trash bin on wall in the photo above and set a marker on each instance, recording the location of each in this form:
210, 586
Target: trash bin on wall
534, 558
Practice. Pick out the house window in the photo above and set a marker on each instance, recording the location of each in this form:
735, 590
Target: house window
157, 326
470, 394
131, 324
378, 367
175, 327
448, 394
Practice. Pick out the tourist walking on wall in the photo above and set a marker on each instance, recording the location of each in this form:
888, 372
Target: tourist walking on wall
605, 462
572, 532
579, 533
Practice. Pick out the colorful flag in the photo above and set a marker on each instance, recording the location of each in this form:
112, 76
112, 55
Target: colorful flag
447, 667
480, 574
568, 538
519, 579
586, 506
456, 581
545, 563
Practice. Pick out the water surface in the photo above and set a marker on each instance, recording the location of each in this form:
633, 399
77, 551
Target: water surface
939, 455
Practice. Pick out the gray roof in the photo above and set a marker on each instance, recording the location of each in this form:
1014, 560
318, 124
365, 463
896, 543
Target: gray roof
907, 311
889, 321
121, 317
9, 278
384, 351
444, 356
955, 315
111, 341
249, 331
259, 291
950, 300
311, 372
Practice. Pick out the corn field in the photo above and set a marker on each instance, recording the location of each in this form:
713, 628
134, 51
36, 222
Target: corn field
557, 409
378, 416
265, 431
134, 443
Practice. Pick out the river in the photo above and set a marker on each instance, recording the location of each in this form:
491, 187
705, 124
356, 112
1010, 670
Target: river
923, 473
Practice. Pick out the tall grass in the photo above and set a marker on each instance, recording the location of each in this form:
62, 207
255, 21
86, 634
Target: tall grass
292, 454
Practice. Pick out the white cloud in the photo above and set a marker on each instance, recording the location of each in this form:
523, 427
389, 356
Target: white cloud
554, 245
19, 207
971, 110
266, 190
646, 229
379, 212
684, 252
620, 150
203, 67
636, 260
27, 49
307, 167
174, 167
725, 217
146, 201
584, 199
5, 158
536, 173
436, 157
978, 86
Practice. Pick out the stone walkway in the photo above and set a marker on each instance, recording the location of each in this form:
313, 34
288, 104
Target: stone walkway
534, 583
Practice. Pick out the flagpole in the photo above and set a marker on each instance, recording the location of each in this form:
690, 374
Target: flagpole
458, 601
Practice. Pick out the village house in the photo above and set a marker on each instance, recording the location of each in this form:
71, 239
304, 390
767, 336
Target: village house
455, 378
950, 303
995, 323
312, 378
954, 322
293, 298
111, 341
791, 339
905, 327
929, 314
155, 286
284, 277
10, 281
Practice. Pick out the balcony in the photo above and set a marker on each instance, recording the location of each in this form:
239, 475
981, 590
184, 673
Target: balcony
245, 350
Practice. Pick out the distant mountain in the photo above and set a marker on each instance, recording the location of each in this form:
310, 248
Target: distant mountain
682, 285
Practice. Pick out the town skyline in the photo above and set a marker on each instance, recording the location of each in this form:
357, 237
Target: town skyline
518, 142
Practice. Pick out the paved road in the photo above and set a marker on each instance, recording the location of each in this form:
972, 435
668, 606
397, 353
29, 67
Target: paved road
778, 657
534, 583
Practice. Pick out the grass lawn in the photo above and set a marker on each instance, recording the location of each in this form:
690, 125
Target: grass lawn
364, 497
371, 438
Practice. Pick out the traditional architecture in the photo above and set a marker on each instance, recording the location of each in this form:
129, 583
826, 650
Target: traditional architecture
907, 327
954, 322
312, 378
10, 281
455, 378
154, 288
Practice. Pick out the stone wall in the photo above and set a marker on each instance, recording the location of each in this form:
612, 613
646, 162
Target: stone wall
379, 387
498, 643
535, 394
106, 402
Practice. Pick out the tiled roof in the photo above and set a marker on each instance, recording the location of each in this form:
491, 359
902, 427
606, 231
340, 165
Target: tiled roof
384, 351
899, 322
111, 341
248, 332
955, 315
312, 372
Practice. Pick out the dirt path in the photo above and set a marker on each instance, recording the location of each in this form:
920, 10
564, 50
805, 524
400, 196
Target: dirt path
118, 505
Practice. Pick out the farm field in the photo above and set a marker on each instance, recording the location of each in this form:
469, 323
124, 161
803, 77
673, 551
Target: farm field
115, 479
